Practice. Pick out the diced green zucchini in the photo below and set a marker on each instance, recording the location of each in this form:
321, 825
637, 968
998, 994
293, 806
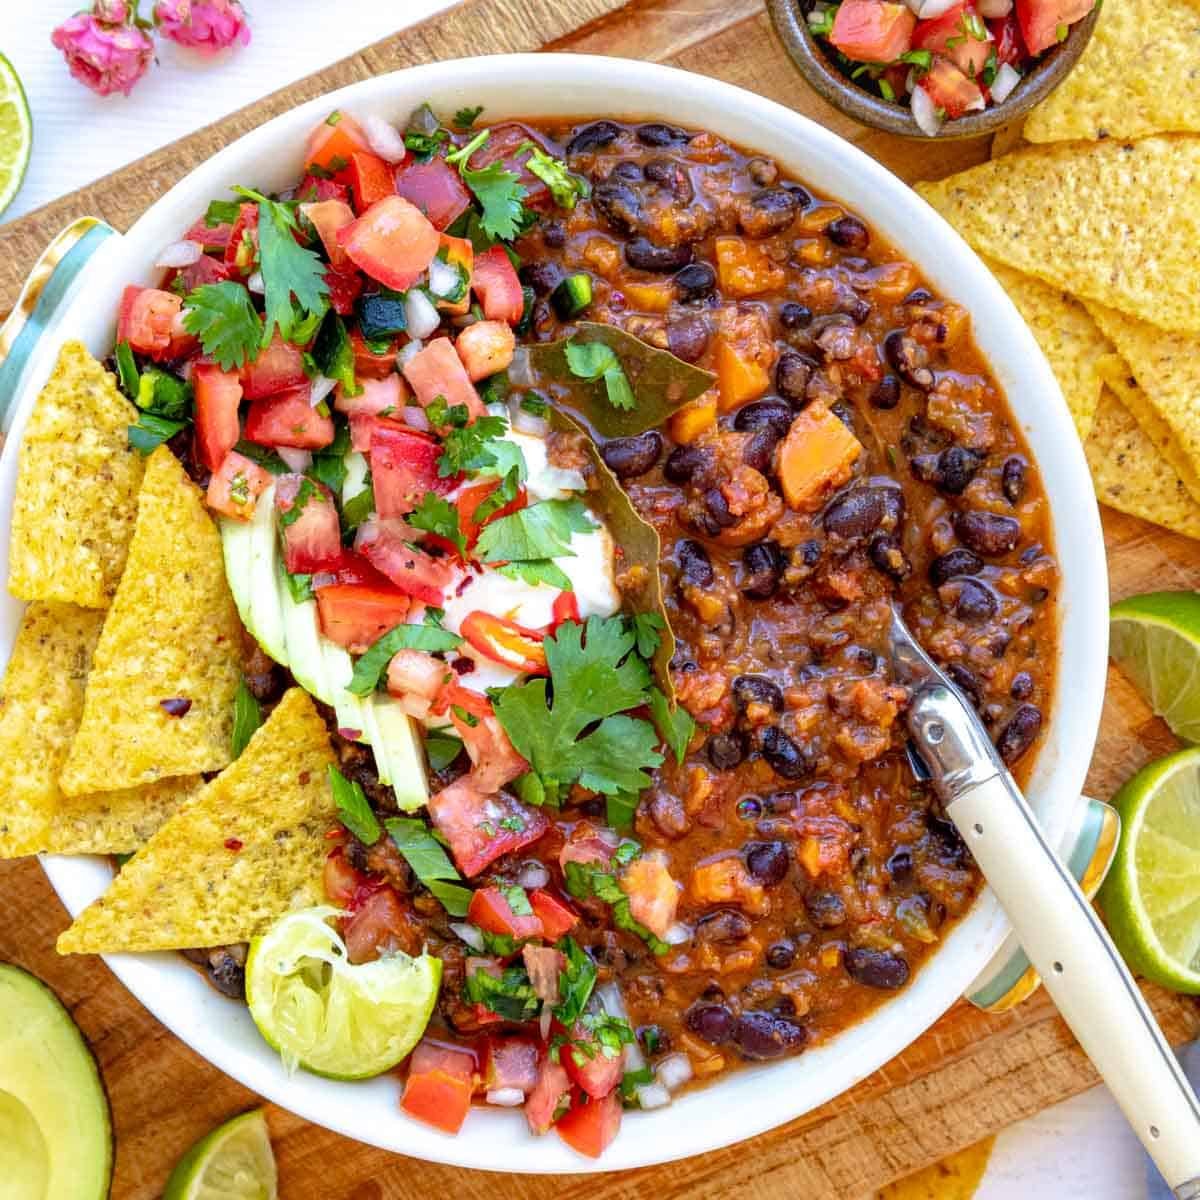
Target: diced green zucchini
572, 295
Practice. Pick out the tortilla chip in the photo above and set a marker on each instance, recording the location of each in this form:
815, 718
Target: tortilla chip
1139, 74
1113, 222
251, 846
1069, 338
956, 1177
77, 483
172, 634
1129, 474
40, 707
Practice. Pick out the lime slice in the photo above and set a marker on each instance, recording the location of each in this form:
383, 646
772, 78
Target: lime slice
234, 1162
1155, 640
16, 133
1151, 897
328, 1016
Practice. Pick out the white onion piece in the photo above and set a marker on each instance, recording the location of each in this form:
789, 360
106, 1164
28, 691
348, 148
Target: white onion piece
468, 933
545, 1021
520, 373
910, 80
409, 350
674, 1071
321, 387
506, 1097
325, 579
179, 254
526, 422
1006, 79
533, 875
652, 1095
990, 9
256, 285
817, 14
414, 417
296, 460
383, 138
677, 934
925, 113
927, 9
444, 280
421, 316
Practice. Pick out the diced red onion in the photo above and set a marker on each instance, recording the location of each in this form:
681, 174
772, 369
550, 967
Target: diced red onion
677, 934
420, 313
383, 138
1006, 79
674, 1071
413, 415
321, 387
533, 875
520, 373
326, 579
652, 1095
468, 933
297, 460
506, 1097
526, 422
991, 9
256, 284
925, 113
179, 254
409, 350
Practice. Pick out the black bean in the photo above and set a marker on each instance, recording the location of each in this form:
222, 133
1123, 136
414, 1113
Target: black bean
887, 393
630, 457
762, 568
763, 1036
749, 808
756, 689
925, 468
618, 204
794, 316
797, 190
826, 910
792, 373
227, 974
876, 968
694, 564
717, 508
783, 756
948, 842
1021, 687
987, 533
909, 358
1020, 733
767, 213
759, 450
973, 601
855, 513
657, 134
856, 308
671, 176
593, 137
695, 281
767, 861
952, 563
687, 337
1012, 479
554, 234
654, 1039
966, 683
686, 463
781, 954
900, 864
726, 750
542, 276
628, 170
807, 554
712, 1023
918, 296
725, 925
888, 556
646, 256
849, 233
956, 468
764, 414
177, 706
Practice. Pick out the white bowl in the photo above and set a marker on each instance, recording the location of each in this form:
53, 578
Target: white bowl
753, 1100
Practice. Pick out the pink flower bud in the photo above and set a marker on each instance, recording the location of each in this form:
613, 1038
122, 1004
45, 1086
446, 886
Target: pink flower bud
104, 49
204, 25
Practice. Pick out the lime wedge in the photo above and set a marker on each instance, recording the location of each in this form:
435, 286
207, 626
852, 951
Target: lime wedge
1155, 640
16, 133
328, 1016
234, 1162
1151, 898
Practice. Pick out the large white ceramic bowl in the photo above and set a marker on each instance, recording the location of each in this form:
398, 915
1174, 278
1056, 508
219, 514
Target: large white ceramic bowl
550, 85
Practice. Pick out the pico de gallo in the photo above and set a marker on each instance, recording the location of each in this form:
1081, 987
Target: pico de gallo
602, 450
942, 58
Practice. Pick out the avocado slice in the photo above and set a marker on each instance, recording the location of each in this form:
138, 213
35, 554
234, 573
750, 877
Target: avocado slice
55, 1129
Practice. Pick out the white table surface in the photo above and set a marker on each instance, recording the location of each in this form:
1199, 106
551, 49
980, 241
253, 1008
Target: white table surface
1080, 1150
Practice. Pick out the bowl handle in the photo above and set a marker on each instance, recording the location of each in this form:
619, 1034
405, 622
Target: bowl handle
44, 295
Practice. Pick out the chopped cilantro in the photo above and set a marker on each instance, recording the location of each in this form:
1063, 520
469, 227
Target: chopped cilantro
358, 508
990, 70
647, 629
223, 317
334, 355
247, 717
370, 667
151, 431
510, 995
632, 1080
499, 191
517, 900
921, 59
127, 372
619, 810
540, 531
575, 982
305, 494
353, 810
505, 493
564, 187
885, 90
300, 587
538, 570
502, 945
222, 212
453, 897
423, 853
595, 360
437, 515
675, 728
534, 406
441, 750
466, 117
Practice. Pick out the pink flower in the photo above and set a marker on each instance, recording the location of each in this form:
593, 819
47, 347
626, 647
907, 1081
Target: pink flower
204, 25
104, 49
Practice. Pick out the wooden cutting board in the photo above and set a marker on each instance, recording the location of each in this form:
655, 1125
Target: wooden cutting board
968, 1077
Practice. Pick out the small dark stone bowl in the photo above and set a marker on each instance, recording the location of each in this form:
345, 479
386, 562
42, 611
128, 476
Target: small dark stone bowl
846, 96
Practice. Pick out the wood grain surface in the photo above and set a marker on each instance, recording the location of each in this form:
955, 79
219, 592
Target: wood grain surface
969, 1076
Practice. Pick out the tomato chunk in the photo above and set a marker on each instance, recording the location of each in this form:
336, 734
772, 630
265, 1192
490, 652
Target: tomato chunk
278, 368
344, 289
378, 398
218, 394
510, 1062
206, 269
333, 141
504, 146
236, 486
494, 758
590, 1127
557, 916
436, 188
549, 1094
872, 30
481, 828
950, 90
496, 284
370, 179
382, 925
440, 1082
308, 518
438, 371
491, 911
242, 248
288, 419
411, 570
403, 469
392, 241
955, 34
151, 321
368, 364
1041, 20
356, 616
504, 641
313, 187
589, 1066
468, 501
328, 217
485, 348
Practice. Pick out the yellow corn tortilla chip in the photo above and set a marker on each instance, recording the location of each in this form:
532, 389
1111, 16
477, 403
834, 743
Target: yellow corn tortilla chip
40, 705
1113, 222
954, 1178
172, 634
77, 483
1069, 338
1130, 475
1139, 74
251, 846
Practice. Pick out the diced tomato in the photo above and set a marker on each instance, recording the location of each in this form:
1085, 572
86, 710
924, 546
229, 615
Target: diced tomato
352, 568
411, 570
482, 828
491, 911
341, 881
437, 190
504, 641
494, 758
953, 35
328, 217
279, 367
454, 694
415, 673
1041, 20
440, 1082
565, 608
218, 394
363, 425
585, 845
367, 363
242, 247
392, 241
151, 321
549, 1093
872, 30
485, 348
356, 616
438, 371
382, 925
468, 501
314, 188
332, 142
457, 252
557, 916
496, 284
403, 469
236, 486
596, 1073
1006, 33
653, 893
510, 1062
591, 1126
211, 237
312, 534
205, 269
379, 397
345, 287
289, 419
950, 90
370, 179
504, 145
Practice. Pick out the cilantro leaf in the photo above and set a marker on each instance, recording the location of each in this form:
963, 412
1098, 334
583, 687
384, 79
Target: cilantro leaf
127, 372
591, 879
300, 587
334, 355
619, 810
499, 191
539, 531
509, 995
371, 666
247, 717
358, 508
466, 117
504, 494
517, 900
454, 898
329, 464
353, 810
675, 728
468, 447
595, 360
151, 431
575, 982
223, 317
437, 515
441, 750
421, 850
564, 187
538, 570
647, 628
